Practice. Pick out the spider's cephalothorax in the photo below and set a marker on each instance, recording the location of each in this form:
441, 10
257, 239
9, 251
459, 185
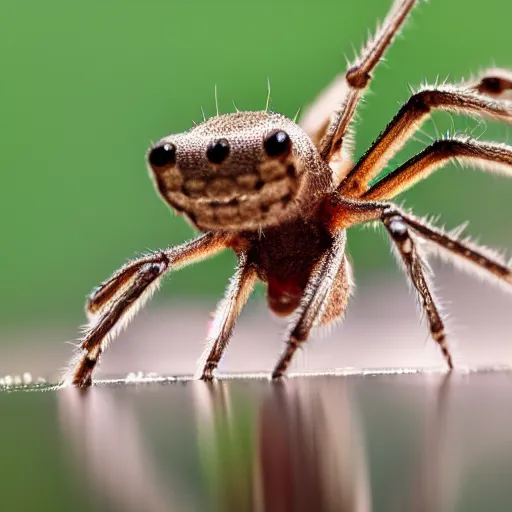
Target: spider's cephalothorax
282, 196
242, 171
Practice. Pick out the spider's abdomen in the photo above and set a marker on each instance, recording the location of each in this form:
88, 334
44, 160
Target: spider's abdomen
283, 297
285, 257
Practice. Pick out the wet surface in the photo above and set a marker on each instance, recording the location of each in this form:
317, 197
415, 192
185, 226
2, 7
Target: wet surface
347, 442
419, 441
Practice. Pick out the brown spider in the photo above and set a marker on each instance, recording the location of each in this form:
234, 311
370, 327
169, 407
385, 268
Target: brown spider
282, 195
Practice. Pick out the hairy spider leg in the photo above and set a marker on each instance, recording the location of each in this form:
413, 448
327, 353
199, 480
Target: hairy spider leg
341, 213
491, 157
315, 300
118, 299
408, 120
355, 82
227, 312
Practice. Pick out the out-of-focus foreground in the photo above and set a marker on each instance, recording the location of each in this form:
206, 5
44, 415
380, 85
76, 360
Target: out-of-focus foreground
383, 443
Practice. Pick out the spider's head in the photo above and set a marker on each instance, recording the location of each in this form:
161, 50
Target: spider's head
242, 171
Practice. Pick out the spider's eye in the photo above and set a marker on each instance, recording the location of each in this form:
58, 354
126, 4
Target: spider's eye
277, 143
163, 156
218, 151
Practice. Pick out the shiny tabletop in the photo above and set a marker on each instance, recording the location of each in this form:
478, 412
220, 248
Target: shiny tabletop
411, 441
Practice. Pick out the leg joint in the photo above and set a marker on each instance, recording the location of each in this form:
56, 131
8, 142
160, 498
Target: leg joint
422, 101
494, 85
438, 332
395, 224
298, 336
357, 78
397, 227
450, 147
163, 258
153, 269
211, 364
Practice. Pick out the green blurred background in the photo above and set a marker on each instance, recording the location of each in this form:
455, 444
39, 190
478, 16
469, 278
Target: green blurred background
86, 86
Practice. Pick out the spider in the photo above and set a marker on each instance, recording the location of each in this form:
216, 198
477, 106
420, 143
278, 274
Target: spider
282, 195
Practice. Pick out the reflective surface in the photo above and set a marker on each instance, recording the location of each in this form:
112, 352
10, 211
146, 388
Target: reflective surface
345, 443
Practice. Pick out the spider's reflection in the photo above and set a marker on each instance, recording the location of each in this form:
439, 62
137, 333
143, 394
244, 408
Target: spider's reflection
305, 447
291, 448
295, 445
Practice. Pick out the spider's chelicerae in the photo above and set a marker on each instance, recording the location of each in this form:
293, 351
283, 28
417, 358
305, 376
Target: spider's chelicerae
282, 196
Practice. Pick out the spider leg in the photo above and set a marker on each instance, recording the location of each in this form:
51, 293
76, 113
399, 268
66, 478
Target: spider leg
331, 131
490, 156
227, 312
408, 119
417, 269
113, 287
479, 257
186, 254
354, 212
316, 297
342, 213
117, 300
316, 117
316, 120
